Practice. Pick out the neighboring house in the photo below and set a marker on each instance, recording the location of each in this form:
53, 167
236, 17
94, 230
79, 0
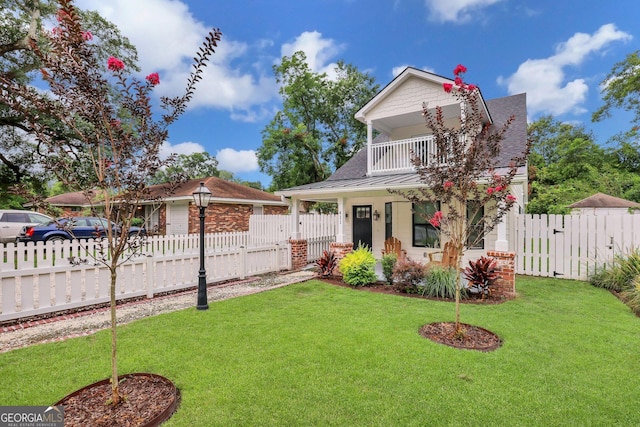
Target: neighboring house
369, 213
602, 204
229, 210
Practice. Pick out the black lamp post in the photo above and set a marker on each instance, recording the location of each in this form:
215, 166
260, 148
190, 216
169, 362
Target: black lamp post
201, 198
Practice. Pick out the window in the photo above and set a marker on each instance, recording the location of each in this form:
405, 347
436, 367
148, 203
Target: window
425, 235
475, 222
15, 217
363, 212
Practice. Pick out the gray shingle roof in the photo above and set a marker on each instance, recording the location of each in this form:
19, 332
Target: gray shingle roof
501, 109
601, 200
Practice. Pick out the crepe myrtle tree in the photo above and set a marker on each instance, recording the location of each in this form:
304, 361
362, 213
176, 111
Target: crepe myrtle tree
461, 174
112, 137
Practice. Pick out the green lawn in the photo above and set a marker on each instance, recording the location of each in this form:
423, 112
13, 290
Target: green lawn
313, 354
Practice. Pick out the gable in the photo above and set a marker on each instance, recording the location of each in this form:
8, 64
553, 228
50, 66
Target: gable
408, 96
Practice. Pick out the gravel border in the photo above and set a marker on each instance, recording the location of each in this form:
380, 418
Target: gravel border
60, 328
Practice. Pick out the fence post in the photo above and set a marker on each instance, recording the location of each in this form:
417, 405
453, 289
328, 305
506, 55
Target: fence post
243, 262
150, 276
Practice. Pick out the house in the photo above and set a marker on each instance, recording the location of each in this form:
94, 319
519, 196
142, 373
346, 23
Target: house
229, 210
369, 212
604, 204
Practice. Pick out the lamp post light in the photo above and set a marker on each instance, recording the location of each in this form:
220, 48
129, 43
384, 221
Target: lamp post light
201, 198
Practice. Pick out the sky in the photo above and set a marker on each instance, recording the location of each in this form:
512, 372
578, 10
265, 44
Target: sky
558, 52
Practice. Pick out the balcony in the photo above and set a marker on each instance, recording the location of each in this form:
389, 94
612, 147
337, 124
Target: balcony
395, 156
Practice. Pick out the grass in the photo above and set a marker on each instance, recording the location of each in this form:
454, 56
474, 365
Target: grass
314, 354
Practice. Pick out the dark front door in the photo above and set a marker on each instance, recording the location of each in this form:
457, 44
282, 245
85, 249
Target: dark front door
362, 226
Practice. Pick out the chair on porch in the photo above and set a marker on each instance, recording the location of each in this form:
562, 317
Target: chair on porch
393, 245
448, 256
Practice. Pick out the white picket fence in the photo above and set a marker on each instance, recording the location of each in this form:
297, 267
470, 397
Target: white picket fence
572, 246
42, 278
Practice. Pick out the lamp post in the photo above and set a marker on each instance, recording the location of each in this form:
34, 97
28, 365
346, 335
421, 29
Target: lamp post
201, 198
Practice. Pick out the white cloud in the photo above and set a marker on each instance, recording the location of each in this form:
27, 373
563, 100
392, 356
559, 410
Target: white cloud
395, 71
186, 148
237, 160
458, 11
319, 51
544, 79
167, 37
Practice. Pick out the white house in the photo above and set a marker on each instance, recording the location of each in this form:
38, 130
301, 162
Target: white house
368, 211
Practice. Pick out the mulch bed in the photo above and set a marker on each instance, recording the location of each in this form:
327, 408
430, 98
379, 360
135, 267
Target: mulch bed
148, 400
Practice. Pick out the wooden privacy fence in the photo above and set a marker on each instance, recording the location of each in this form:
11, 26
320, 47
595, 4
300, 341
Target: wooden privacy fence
572, 246
318, 230
43, 278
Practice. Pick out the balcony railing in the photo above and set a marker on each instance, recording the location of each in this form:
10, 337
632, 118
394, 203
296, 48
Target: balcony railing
395, 156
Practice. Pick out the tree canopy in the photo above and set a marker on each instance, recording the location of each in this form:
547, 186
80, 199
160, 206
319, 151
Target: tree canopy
621, 89
315, 132
566, 165
23, 22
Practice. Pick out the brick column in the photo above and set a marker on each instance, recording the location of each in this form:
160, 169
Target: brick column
340, 249
298, 254
506, 267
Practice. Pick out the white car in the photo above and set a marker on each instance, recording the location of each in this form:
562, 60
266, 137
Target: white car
12, 221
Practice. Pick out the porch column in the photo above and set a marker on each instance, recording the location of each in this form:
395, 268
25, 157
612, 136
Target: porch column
502, 244
295, 219
341, 221
369, 140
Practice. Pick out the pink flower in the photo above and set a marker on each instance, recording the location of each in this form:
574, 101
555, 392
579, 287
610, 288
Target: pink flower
61, 14
490, 190
447, 185
114, 64
471, 87
499, 188
447, 87
511, 198
86, 35
436, 219
458, 82
153, 79
459, 69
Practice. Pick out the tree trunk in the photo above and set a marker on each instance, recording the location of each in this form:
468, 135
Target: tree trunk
115, 395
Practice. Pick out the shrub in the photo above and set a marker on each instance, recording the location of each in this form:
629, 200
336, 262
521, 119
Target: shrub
408, 275
620, 274
388, 264
327, 263
481, 274
631, 297
440, 282
137, 222
358, 267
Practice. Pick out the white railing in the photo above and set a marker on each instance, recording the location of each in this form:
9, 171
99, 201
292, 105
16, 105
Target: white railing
39, 279
395, 156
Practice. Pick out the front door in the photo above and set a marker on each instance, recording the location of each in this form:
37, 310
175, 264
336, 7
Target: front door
362, 226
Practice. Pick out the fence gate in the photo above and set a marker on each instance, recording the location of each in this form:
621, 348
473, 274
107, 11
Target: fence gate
572, 246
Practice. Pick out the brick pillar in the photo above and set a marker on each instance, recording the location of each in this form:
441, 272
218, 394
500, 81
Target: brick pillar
340, 249
298, 254
506, 267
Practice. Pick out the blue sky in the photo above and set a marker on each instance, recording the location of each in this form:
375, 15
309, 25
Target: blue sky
558, 52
